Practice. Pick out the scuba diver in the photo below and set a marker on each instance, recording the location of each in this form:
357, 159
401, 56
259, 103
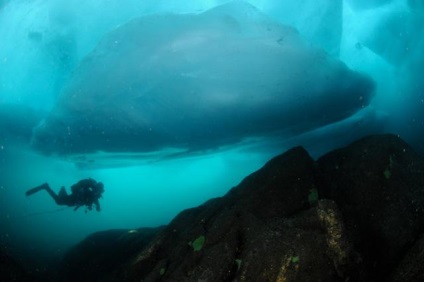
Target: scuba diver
85, 192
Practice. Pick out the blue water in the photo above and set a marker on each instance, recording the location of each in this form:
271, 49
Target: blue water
52, 51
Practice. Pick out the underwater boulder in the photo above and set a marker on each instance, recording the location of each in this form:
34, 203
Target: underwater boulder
199, 81
95, 257
377, 182
356, 214
411, 267
11, 270
268, 228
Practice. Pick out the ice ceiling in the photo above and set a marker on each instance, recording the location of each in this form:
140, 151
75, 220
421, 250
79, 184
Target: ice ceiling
142, 76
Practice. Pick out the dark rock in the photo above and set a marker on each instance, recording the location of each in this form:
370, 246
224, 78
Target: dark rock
262, 230
378, 183
274, 227
11, 270
103, 252
411, 268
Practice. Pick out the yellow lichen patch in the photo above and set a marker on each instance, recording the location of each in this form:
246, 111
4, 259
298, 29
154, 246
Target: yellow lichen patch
286, 261
332, 222
148, 251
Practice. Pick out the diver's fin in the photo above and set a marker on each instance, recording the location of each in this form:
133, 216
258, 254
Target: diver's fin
36, 189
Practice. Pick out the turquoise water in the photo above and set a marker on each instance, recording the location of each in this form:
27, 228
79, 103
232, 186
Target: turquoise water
78, 99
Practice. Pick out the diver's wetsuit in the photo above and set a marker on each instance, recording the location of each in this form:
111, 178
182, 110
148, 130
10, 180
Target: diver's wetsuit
84, 193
